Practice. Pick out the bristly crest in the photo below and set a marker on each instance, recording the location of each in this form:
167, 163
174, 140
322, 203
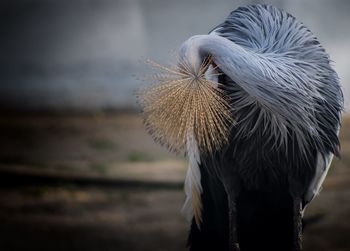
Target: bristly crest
183, 101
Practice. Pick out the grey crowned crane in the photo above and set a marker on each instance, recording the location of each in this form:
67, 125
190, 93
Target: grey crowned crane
256, 107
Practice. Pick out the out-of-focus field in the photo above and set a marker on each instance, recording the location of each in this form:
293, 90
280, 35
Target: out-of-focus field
98, 182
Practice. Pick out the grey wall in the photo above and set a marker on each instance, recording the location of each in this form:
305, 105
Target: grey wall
87, 54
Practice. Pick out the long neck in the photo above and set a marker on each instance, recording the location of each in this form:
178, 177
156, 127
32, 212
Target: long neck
255, 73
232, 59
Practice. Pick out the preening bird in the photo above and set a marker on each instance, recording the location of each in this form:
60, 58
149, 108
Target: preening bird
256, 107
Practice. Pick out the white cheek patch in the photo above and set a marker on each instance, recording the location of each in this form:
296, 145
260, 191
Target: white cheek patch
212, 75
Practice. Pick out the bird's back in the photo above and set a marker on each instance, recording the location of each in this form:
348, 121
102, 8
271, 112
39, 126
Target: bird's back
286, 128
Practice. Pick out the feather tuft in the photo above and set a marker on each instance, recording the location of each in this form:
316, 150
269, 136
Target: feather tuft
183, 100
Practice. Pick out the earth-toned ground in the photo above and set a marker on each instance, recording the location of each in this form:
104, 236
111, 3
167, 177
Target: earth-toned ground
98, 182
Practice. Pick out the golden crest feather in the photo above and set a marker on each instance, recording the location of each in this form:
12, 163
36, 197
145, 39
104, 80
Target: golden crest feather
182, 100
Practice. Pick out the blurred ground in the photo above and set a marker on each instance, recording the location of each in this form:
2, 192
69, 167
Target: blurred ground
98, 182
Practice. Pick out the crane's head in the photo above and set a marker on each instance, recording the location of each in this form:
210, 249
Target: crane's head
185, 102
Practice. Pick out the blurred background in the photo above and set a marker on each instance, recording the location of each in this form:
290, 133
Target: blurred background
77, 169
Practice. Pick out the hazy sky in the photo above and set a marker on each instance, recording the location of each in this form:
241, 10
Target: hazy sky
88, 54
